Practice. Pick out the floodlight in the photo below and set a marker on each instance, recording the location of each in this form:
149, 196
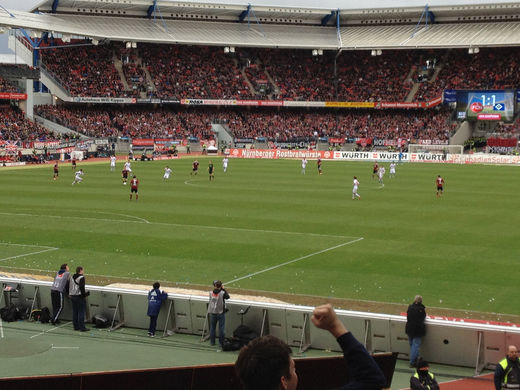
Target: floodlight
231, 49
95, 42
134, 45
315, 52
476, 50
373, 52
66, 38
379, 52
226, 49
128, 45
320, 52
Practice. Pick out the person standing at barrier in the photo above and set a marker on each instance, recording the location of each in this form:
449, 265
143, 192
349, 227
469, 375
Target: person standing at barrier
423, 379
78, 298
266, 363
217, 312
155, 299
507, 373
415, 327
58, 291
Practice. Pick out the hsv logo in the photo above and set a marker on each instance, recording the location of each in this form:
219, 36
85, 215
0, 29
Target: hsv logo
476, 107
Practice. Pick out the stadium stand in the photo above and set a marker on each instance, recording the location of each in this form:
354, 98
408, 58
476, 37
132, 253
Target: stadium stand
491, 68
15, 127
6, 86
148, 122
272, 124
194, 72
85, 71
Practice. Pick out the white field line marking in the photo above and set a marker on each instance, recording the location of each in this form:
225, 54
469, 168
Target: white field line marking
294, 260
123, 215
50, 330
38, 246
53, 347
1, 329
178, 225
30, 253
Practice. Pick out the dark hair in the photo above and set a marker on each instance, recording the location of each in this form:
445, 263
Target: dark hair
78, 269
217, 283
63, 266
263, 362
156, 285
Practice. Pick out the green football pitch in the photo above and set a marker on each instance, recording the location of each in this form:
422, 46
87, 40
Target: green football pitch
263, 226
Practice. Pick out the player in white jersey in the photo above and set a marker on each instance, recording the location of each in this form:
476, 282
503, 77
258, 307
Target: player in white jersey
392, 169
127, 166
79, 177
381, 174
113, 163
167, 172
225, 164
304, 165
355, 185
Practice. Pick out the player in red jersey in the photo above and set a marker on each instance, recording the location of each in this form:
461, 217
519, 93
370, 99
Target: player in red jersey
73, 164
439, 182
124, 175
318, 162
56, 171
375, 170
134, 185
195, 169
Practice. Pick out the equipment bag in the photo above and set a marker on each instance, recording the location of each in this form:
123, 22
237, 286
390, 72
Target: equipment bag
45, 315
100, 321
9, 313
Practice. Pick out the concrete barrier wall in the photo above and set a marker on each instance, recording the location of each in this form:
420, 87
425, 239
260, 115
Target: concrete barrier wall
446, 342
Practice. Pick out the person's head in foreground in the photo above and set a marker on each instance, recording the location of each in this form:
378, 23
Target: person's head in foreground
266, 364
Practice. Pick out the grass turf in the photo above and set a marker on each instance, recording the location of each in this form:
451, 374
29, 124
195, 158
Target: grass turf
459, 251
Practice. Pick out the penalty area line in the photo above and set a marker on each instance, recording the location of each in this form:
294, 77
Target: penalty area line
30, 254
293, 261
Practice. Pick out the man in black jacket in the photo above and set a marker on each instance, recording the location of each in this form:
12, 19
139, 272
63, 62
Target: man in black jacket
415, 327
423, 379
507, 373
265, 363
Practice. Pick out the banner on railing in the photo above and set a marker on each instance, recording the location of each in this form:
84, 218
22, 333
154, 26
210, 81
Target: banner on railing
278, 153
13, 96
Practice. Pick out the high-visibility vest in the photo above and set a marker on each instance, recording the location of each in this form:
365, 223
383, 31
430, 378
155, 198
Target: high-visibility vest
507, 370
416, 375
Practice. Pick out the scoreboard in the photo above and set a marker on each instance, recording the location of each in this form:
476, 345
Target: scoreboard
498, 105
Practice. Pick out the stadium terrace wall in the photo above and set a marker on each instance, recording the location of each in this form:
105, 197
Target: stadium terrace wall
459, 343
255, 103
477, 158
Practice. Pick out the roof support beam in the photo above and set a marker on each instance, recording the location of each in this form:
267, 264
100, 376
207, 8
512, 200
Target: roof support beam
55, 4
151, 9
327, 18
244, 13
428, 16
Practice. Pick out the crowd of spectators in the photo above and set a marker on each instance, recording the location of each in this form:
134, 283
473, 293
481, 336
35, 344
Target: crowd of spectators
6, 86
491, 68
194, 72
359, 75
294, 125
85, 70
134, 122
15, 127
208, 73
133, 70
269, 123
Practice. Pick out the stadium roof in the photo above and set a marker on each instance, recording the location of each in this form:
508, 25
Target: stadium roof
270, 26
